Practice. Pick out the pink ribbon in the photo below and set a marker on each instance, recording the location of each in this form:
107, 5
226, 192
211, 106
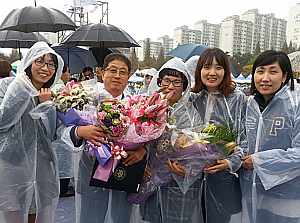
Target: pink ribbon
104, 173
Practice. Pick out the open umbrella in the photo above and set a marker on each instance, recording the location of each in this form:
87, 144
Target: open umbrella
100, 35
17, 40
37, 19
186, 51
295, 61
101, 52
76, 57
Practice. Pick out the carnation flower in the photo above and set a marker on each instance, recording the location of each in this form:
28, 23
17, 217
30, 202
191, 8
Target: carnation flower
102, 115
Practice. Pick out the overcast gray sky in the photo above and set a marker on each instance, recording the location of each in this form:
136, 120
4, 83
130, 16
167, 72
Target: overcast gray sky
155, 18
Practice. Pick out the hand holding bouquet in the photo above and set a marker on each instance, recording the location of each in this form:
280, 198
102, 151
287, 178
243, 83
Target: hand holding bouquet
194, 148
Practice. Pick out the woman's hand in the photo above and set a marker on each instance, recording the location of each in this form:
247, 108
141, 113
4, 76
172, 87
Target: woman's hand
92, 133
176, 168
45, 94
247, 163
222, 165
147, 172
135, 156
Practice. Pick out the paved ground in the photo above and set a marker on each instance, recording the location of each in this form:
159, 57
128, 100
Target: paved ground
65, 212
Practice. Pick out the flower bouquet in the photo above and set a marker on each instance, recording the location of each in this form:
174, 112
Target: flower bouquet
130, 123
75, 105
194, 148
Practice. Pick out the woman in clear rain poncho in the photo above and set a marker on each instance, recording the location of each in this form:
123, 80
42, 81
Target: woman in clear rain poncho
219, 103
169, 203
270, 179
149, 73
28, 166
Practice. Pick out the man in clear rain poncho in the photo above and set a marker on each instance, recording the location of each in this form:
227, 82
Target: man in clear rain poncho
28, 166
221, 195
96, 204
173, 201
270, 177
148, 76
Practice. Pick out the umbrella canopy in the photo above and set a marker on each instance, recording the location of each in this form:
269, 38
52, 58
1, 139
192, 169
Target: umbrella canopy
135, 78
186, 51
295, 61
76, 57
16, 39
37, 19
101, 52
100, 35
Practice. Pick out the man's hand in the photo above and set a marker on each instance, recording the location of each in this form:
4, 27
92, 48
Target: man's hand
147, 172
176, 168
45, 94
92, 133
222, 165
135, 156
247, 163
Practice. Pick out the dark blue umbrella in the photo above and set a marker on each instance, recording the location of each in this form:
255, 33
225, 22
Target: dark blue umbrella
186, 51
76, 57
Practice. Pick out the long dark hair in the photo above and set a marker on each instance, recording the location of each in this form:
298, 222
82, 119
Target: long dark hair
50, 82
207, 57
269, 57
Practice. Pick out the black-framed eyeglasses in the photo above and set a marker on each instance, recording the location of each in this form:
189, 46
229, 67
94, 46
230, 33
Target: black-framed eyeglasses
114, 71
42, 63
167, 82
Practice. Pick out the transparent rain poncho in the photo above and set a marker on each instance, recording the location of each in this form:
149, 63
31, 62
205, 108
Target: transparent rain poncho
170, 202
151, 72
221, 191
28, 166
191, 65
271, 192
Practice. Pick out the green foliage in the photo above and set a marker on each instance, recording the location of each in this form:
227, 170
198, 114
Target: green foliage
285, 48
134, 61
160, 59
148, 60
257, 49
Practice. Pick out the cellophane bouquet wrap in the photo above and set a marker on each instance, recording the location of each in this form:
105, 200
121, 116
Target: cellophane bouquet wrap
130, 124
75, 105
194, 148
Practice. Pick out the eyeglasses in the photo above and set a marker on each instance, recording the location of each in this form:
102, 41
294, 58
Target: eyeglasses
114, 71
167, 82
42, 63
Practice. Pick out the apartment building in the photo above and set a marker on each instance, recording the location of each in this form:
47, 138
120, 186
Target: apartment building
210, 33
154, 49
184, 35
293, 33
167, 43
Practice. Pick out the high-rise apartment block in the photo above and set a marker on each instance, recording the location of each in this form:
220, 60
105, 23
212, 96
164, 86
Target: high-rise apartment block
236, 35
167, 43
154, 49
210, 33
183, 35
269, 31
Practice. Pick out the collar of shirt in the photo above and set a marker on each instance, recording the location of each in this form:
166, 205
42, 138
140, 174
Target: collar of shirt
108, 95
259, 98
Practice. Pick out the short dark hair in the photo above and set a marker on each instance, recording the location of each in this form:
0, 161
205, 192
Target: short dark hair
207, 57
50, 82
87, 69
269, 57
65, 68
174, 73
5, 68
116, 56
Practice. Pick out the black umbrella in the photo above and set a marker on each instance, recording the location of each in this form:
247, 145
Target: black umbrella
100, 35
37, 19
101, 52
17, 40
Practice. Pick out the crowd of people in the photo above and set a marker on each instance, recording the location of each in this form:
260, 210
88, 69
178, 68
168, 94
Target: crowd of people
257, 183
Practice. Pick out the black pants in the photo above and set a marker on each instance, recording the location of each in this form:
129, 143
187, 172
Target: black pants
64, 185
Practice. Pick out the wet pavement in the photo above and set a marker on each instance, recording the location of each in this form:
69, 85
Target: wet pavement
65, 211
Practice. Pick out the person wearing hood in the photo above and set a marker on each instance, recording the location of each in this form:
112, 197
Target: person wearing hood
147, 79
28, 166
169, 203
270, 173
219, 103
